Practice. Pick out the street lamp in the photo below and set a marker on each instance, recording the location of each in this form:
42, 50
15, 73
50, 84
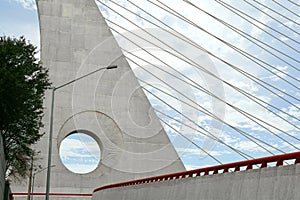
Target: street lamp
33, 176
51, 121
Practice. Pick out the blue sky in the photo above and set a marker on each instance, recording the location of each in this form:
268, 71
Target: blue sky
17, 20
80, 151
19, 17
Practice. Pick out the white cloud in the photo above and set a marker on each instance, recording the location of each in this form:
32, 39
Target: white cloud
79, 154
280, 73
191, 167
73, 147
199, 152
28, 4
247, 146
293, 111
81, 168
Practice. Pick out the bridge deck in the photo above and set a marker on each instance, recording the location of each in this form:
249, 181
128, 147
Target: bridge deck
255, 181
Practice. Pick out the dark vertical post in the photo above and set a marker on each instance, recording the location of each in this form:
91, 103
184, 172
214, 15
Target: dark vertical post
30, 178
50, 146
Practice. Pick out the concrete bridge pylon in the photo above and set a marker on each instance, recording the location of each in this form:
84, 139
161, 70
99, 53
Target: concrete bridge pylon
109, 105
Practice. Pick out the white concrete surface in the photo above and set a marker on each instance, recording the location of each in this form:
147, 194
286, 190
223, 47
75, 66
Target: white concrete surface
276, 183
108, 105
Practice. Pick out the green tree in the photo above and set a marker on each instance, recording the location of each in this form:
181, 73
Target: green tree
23, 81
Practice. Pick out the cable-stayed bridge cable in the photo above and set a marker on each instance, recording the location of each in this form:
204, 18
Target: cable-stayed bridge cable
245, 35
199, 87
232, 66
253, 98
237, 69
237, 11
297, 4
209, 135
246, 135
192, 142
243, 92
243, 133
281, 23
214, 116
286, 8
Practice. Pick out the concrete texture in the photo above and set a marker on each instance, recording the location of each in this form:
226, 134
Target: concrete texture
108, 105
276, 183
2, 170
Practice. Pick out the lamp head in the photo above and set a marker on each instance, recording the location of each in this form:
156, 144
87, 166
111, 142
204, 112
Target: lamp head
112, 67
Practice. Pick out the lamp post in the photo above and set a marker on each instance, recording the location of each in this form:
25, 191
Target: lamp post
33, 176
51, 121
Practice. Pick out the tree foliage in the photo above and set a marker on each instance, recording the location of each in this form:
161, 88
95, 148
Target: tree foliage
23, 81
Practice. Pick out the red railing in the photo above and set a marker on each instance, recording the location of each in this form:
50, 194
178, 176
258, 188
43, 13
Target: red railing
236, 166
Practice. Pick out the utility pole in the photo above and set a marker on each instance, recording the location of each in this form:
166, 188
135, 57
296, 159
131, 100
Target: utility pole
30, 179
51, 121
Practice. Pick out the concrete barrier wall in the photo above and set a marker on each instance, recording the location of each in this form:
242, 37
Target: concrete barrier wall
2, 170
276, 183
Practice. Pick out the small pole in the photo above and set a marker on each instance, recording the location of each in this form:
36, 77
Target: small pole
32, 186
50, 146
51, 121
30, 179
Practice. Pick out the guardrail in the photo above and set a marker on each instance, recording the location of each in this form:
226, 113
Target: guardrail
219, 169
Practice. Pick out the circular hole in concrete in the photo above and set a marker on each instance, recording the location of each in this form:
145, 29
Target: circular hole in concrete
80, 153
